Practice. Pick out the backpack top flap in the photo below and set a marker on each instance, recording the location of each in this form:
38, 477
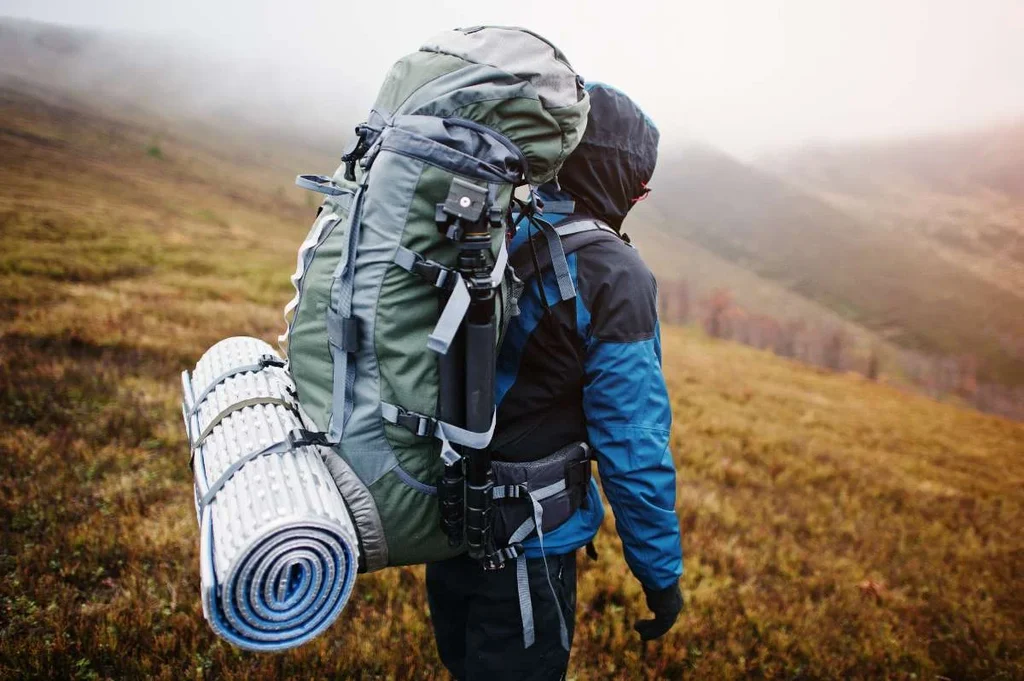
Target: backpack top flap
508, 79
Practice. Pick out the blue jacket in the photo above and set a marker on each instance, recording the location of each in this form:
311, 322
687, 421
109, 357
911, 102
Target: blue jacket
590, 369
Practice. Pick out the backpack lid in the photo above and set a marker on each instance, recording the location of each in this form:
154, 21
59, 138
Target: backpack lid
518, 51
508, 79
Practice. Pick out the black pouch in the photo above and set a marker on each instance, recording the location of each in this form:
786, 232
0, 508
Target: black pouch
570, 464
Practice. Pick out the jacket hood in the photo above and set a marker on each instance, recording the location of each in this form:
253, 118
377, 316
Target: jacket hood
609, 170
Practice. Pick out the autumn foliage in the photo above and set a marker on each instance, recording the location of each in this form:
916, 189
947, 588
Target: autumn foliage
833, 527
834, 348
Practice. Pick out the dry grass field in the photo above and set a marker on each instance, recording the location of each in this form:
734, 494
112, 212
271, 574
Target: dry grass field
833, 528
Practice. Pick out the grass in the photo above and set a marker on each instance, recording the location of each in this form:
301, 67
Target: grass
833, 528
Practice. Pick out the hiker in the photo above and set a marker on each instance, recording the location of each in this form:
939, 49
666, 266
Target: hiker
577, 368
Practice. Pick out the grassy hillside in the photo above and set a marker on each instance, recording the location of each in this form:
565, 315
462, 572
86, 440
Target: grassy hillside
891, 283
844, 242
833, 528
676, 258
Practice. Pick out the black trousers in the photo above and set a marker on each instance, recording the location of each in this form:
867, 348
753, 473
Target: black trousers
478, 625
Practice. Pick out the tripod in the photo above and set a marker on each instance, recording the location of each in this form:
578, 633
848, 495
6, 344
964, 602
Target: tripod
467, 374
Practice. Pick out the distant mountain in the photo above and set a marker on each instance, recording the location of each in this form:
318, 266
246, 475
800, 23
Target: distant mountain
916, 243
177, 83
986, 160
962, 194
890, 281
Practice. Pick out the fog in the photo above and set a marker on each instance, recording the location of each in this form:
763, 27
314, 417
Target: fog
749, 77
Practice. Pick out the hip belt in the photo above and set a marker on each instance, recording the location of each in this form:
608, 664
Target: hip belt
559, 481
533, 498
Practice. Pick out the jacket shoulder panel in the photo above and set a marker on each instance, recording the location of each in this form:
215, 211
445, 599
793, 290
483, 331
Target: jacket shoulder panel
619, 290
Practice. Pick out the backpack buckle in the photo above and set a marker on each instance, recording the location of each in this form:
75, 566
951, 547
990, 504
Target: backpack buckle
356, 150
417, 424
300, 437
497, 560
432, 272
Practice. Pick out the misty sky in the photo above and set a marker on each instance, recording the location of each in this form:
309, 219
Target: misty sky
747, 76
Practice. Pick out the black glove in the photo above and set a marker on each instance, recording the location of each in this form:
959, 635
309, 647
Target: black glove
666, 604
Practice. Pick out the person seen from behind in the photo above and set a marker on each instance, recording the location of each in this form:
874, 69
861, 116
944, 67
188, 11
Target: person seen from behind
579, 364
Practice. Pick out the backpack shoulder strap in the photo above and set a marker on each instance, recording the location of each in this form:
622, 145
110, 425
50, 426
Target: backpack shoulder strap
573, 233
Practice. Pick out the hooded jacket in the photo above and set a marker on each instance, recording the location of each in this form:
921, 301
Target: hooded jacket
589, 368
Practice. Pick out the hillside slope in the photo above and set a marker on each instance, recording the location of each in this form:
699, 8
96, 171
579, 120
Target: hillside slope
962, 194
702, 274
151, 78
833, 261
833, 528
887, 282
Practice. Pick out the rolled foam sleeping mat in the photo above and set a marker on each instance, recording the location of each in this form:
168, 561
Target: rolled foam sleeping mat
278, 548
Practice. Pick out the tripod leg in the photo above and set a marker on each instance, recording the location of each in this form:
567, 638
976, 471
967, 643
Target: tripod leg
480, 369
451, 409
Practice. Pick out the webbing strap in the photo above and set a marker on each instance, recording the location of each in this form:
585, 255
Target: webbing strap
522, 574
522, 491
566, 207
344, 378
440, 339
262, 363
574, 233
525, 600
295, 439
455, 309
424, 426
559, 264
577, 226
237, 406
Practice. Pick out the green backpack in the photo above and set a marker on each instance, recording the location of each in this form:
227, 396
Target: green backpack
404, 273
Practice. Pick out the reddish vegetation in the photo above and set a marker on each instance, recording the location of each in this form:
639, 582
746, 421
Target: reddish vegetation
798, 489
835, 349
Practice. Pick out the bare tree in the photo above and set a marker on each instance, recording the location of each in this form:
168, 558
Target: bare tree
682, 301
789, 338
967, 379
835, 342
716, 307
872, 369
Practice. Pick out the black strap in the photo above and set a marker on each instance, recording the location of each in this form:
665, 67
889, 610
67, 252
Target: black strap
577, 483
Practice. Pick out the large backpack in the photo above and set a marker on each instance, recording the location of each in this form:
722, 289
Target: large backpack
381, 283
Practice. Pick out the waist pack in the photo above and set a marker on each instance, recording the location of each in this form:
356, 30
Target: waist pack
402, 284
558, 482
